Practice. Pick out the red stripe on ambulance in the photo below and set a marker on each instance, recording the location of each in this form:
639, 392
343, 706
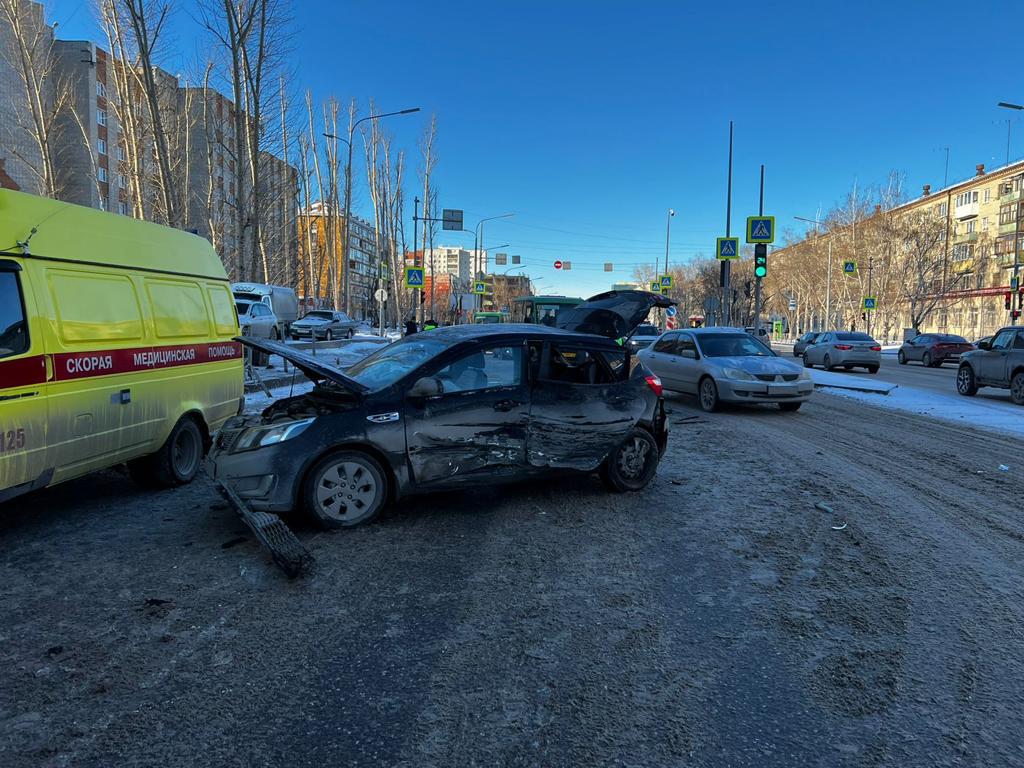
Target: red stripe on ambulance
82, 365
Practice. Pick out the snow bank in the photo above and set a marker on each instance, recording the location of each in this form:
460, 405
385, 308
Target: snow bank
865, 383
982, 412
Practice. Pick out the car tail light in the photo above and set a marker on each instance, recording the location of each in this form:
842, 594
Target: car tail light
876, 348
843, 346
655, 384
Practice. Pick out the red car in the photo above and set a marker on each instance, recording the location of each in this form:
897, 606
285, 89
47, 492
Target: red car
934, 349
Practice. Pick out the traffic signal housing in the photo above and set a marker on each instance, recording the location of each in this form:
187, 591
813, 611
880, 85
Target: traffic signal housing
1007, 300
760, 260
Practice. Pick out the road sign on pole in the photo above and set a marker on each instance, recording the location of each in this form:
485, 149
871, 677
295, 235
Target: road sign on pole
479, 287
566, 265
671, 311
666, 281
727, 248
558, 265
414, 277
760, 229
849, 267
380, 295
451, 219
655, 286
792, 305
870, 303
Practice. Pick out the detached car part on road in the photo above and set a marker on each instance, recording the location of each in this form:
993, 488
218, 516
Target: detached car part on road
726, 365
459, 407
996, 363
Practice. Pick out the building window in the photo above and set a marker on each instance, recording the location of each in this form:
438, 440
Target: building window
962, 251
979, 281
984, 224
1007, 213
101, 146
943, 209
122, 208
120, 152
101, 88
122, 181
101, 117
988, 194
101, 174
971, 224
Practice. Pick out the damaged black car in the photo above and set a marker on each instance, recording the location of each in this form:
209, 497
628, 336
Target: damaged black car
454, 408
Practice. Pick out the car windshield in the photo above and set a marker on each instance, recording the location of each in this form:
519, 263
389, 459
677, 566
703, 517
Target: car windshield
384, 368
319, 315
646, 330
732, 345
853, 336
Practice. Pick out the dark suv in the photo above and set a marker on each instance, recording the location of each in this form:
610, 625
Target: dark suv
996, 363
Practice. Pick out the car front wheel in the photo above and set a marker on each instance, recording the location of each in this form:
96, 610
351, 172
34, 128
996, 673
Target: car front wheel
965, 382
1017, 388
807, 361
345, 489
926, 360
901, 357
708, 394
632, 465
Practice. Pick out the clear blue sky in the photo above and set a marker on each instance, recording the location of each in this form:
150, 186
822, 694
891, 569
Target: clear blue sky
589, 119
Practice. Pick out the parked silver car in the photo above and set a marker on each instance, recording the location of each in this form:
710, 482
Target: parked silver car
257, 320
324, 324
846, 349
726, 365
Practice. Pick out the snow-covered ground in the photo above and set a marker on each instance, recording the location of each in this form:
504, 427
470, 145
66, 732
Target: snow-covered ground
846, 381
1000, 416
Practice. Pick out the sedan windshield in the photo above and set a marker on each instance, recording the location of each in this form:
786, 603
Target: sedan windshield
732, 345
646, 330
384, 368
320, 315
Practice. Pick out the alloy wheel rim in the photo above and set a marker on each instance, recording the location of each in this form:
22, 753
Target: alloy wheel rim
185, 453
633, 457
1017, 388
963, 380
707, 394
346, 491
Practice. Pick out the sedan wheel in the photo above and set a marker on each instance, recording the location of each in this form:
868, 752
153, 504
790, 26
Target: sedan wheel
901, 357
828, 363
345, 489
926, 360
708, 395
329, 336
965, 382
1017, 388
807, 361
631, 466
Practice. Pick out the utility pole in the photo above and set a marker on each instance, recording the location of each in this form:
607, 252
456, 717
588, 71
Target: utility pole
757, 280
668, 231
416, 303
726, 268
871, 269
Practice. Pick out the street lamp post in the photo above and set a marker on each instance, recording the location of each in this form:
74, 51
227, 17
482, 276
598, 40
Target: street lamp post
348, 197
478, 244
828, 279
1016, 229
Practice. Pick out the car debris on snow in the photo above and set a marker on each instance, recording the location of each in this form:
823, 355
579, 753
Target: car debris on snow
823, 507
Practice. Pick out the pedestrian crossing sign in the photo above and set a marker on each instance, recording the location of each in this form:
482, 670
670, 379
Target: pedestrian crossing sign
849, 267
870, 302
414, 277
655, 286
666, 281
727, 248
760, 229
480, 287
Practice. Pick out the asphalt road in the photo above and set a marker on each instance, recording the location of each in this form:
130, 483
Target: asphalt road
716, 619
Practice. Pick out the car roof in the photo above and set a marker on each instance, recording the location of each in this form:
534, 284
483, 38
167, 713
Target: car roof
454, 334
715, 329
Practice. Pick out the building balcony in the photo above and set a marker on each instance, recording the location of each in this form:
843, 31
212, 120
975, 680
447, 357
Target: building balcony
1006, 259
961, 266
966, 211
1009, 228
1009, 197
966, 237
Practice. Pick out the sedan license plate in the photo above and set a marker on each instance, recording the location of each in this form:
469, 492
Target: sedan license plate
779, 389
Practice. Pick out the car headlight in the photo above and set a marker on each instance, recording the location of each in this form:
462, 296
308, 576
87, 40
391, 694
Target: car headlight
805, 373
737, 374
261, 437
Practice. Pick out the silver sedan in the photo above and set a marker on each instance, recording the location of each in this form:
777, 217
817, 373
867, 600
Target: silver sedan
846, 349
726, 365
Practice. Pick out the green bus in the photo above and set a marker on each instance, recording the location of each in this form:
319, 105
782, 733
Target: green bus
541, 310
489, 317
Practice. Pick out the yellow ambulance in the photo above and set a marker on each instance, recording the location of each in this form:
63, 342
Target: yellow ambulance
116, 345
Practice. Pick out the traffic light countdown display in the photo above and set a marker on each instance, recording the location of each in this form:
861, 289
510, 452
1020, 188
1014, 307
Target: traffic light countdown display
760, 260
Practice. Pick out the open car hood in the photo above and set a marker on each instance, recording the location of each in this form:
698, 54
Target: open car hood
613, 314
314, 369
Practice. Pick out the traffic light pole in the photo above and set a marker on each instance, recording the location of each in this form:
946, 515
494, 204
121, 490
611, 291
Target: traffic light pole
726, 272
757, 280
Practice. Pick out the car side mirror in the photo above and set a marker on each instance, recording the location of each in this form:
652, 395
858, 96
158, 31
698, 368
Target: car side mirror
426, 388
984, 345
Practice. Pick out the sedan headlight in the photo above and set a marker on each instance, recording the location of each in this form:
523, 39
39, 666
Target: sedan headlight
261, 437
737, 374
805, 373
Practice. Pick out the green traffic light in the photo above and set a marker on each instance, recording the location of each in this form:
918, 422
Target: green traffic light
760, 271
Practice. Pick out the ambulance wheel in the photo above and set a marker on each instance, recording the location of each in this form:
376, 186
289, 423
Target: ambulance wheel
178, 460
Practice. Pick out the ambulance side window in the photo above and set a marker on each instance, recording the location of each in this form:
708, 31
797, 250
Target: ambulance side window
13, 326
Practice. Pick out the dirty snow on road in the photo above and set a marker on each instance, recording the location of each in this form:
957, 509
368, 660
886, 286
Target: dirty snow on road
717, 618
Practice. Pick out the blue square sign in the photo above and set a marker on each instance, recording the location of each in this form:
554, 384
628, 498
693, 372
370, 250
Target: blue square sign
727, 248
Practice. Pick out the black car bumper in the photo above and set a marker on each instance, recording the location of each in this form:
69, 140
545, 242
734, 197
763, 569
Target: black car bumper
267, 478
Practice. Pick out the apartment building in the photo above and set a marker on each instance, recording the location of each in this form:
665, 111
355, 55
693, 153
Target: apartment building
448, 260
983, 219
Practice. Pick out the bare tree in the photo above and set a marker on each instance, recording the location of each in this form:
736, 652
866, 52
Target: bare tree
30, 54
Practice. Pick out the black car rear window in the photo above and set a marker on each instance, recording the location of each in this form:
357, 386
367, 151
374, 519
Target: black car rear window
853, 336
950, 338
